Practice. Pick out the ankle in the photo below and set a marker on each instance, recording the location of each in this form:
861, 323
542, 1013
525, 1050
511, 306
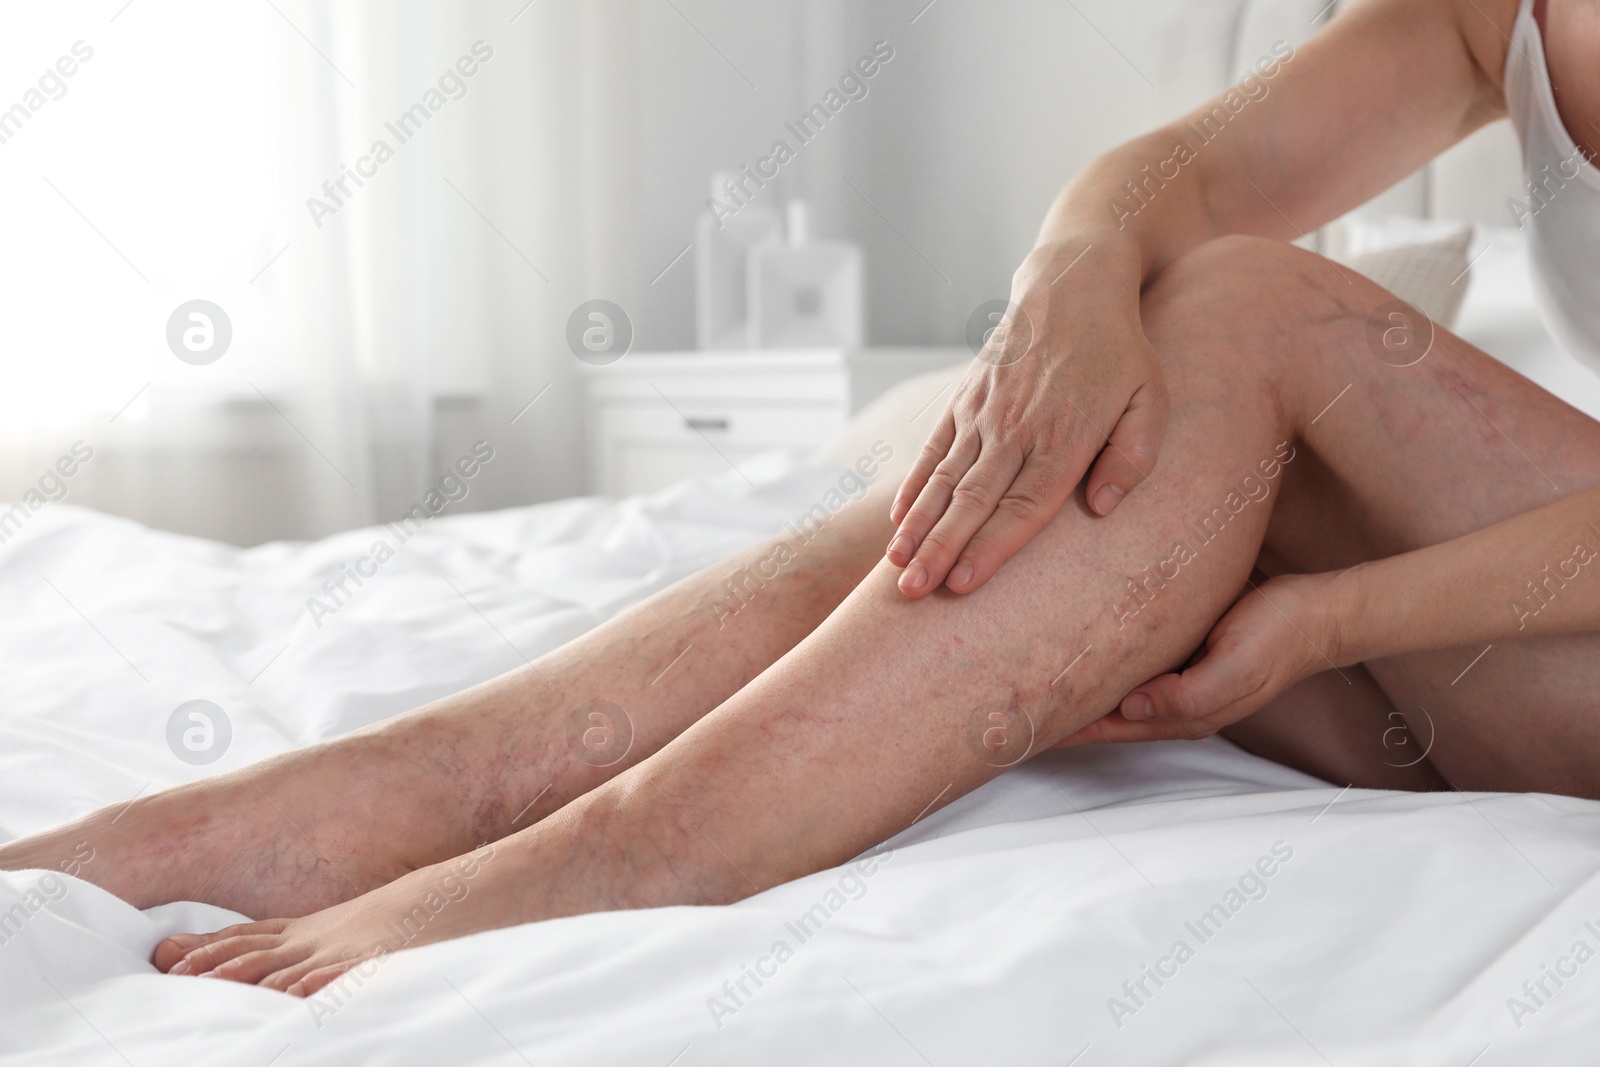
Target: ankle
635, 848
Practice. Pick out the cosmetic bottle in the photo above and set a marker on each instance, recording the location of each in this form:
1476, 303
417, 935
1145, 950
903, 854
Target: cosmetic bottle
724, 235
804, 293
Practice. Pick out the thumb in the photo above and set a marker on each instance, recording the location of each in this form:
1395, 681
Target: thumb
1131, 453
1220, 679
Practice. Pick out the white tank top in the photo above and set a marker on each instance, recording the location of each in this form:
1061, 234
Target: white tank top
1560, 206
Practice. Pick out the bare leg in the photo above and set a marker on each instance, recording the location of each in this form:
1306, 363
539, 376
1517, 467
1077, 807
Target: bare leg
1341, 727
890, 708
305, 830
1408, 457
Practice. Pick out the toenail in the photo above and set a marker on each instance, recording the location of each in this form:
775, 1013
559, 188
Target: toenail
915, 577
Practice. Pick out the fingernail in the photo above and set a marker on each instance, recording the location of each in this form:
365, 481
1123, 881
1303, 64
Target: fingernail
1107, 497
961, 575
915, 576
186, 941
902, 545
181, 967
1138, 706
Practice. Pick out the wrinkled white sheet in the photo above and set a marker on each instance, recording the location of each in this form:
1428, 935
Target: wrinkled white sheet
1392, 930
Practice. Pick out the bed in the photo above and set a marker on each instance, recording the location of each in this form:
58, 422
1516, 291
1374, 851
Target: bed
1172, 903
1160, 904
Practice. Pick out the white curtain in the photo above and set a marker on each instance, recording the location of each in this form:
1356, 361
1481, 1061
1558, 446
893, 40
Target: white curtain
428, 310
217, 152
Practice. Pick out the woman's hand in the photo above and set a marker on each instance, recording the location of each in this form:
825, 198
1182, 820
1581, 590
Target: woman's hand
1280, 631
1068, 377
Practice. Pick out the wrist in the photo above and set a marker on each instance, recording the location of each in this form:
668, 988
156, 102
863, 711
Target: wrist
1347, 616
1091, 258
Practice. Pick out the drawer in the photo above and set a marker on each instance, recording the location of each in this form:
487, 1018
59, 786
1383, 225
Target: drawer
658, 417
637, 448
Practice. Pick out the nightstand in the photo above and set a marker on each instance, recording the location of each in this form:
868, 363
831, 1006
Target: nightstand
655, 418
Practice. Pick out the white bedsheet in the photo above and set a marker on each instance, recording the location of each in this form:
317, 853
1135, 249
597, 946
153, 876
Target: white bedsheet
995, 932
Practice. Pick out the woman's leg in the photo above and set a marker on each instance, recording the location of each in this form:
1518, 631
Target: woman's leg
302, 831
891, 708
887, 710
1410, 456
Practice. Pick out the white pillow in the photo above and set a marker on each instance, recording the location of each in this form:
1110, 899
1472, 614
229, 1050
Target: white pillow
1422, 261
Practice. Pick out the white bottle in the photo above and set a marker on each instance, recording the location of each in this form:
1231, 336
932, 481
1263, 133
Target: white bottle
804, 293
723, 237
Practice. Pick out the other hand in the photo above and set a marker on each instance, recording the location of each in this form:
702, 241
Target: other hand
1280, 631
1068, 377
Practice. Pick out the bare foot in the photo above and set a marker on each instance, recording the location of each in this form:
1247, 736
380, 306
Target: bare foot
602, 852
474, 892
285, 837
581, 859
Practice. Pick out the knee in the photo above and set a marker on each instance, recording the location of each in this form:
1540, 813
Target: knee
1238, 283
1238, 317
1226, 261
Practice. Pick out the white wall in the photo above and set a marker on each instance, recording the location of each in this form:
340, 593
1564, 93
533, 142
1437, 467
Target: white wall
588, 142
984, 112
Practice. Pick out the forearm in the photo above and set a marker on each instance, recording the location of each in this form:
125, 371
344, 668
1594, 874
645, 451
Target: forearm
1178, 186
1532, 575
1121, 201
1306, 135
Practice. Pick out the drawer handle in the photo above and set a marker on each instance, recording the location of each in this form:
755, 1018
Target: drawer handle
702, 424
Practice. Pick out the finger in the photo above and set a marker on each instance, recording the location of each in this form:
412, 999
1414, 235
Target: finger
1114, 729
1035, 496
933, 452
1131, 453
1090, 733
1222, 681
972, 502
929, 509
950, 459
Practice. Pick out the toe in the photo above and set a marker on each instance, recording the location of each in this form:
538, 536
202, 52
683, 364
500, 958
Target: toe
172, 951
210, 956
315, 980
288, 978
251, 967
175, 948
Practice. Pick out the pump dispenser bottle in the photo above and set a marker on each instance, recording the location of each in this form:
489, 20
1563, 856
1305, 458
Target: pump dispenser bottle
804, 293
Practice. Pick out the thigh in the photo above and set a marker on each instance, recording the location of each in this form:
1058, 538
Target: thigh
1400, 457
1343, 728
